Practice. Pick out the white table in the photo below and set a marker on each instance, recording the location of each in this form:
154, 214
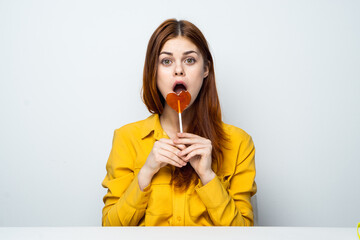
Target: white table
178, 233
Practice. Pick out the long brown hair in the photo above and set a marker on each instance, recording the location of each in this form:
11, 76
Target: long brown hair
206, 120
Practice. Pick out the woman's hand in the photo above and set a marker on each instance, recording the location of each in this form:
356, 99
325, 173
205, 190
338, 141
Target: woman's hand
164, 152
198, 152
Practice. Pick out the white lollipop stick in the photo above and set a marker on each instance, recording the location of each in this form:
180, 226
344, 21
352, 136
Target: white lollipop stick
180, 119
181, 130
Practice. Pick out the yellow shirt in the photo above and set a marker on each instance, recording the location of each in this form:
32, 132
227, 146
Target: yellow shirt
224, 201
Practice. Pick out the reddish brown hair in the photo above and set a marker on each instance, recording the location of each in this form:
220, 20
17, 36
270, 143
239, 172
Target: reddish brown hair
207, 113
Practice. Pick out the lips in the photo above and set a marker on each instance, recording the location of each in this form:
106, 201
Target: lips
179, 86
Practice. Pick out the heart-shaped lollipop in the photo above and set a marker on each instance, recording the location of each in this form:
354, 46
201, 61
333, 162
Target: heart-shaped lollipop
178, 101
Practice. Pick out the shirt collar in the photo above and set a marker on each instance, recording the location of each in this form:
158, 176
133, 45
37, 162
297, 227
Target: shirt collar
152, 124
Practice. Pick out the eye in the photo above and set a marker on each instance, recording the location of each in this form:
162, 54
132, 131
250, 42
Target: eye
190, 60
166, 61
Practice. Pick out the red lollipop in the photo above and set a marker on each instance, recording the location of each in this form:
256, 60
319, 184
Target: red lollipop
179, 101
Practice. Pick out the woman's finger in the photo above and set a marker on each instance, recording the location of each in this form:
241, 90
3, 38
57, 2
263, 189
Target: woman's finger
167, 141
169, 147
189, 140
199, 152
171, 142
172, 156
188, 135
180, 146
189, 149
169, 161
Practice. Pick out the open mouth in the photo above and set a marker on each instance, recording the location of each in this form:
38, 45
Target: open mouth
179, 87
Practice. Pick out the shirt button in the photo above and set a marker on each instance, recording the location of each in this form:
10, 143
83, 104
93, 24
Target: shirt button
179, 218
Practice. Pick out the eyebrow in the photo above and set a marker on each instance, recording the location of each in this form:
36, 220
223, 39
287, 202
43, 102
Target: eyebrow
185, 53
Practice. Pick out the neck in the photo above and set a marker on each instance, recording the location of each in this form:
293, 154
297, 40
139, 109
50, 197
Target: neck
169, 120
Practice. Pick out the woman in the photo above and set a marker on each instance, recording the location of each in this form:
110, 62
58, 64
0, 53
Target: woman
157, 176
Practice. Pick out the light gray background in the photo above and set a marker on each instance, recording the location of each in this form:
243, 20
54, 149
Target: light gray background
288, 73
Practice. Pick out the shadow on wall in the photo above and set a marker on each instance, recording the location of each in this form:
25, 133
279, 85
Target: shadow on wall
255, 209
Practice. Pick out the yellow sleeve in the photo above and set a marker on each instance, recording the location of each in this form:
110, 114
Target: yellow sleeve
125, 203
230, 206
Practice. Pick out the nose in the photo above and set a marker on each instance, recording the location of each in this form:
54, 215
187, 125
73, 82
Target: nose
179, 71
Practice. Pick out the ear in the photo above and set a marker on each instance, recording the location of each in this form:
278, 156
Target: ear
206, 70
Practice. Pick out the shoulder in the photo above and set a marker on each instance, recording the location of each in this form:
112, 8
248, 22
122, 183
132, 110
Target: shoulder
135, 130
239, 141
236, 134
239, 145
131, 127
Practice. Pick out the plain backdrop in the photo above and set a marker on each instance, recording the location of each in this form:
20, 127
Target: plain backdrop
288, 73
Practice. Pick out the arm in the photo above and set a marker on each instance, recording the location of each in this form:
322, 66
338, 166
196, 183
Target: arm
125, 202
231, 206
128, 193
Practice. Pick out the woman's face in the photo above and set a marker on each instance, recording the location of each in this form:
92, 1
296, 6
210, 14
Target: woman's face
180, 66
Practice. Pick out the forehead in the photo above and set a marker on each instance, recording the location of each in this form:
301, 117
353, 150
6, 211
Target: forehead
179, 44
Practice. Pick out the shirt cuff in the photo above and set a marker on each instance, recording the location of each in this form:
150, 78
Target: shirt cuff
135, 197
213, 194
